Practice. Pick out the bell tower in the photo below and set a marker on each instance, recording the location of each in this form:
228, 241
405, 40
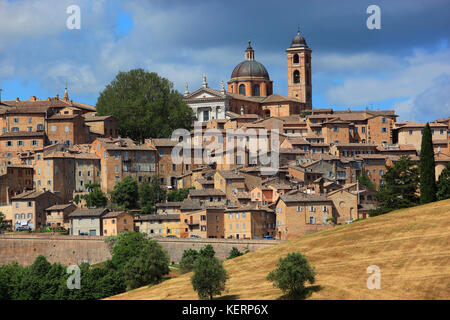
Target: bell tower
299, 70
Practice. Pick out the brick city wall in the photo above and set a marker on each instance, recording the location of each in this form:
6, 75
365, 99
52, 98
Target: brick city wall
69, 250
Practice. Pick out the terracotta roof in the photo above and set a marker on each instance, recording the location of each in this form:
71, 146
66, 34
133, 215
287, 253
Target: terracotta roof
190, 204
32, 194
156, 217
88, 213
163, 142
205, 192
169, 204
230, 174
60, 207
113, 214
303, 197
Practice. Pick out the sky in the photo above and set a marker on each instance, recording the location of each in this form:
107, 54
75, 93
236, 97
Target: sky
404, 65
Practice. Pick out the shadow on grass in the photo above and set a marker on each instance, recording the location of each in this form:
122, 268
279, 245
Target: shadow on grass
228, 297
301, 295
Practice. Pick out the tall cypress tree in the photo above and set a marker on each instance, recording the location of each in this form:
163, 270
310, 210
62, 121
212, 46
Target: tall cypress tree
426, 168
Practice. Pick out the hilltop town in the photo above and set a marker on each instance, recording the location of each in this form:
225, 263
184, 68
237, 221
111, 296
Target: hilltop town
52, 151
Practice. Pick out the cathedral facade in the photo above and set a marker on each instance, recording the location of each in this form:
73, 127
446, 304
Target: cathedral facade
250, 90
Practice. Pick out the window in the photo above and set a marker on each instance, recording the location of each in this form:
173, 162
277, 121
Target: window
30, 204
66, 128
243, 226
174, 167
363, 129
383, 129
53, 128
231, 226
242, 89
324, 208
116, 169
237, 215
15, 129
383, 120
34, 143
312, 209
40, 127
8, 143
237, 226
295, 59
296, 76
30, 129
312, 220
16, 120
256, 90
410, 132
206, 115
335, 128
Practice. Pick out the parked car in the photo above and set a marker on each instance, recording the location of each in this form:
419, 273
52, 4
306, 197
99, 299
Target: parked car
171, 236
194, 236
23, 228
269, 238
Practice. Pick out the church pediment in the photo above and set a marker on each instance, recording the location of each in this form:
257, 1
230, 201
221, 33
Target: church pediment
205, 93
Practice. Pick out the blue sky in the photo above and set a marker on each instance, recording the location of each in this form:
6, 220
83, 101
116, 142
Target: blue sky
404, 66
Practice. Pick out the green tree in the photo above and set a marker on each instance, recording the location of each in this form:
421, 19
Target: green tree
145, 104
364, 180
291, 274
187, 260
207, 251
148, 267
234, 253
95, 198
125, 246
126, 194
426, 168
209, 277
400, 187
151, 193
178, 195
443, 184
4, 226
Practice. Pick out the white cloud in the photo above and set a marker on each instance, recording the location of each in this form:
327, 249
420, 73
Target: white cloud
416, 78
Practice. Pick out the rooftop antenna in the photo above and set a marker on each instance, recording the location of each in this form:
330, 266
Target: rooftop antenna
1, 95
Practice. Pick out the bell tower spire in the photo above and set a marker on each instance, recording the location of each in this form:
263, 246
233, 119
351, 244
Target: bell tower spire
299, 69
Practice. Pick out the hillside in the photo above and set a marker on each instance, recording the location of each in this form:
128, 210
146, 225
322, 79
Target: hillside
411, 247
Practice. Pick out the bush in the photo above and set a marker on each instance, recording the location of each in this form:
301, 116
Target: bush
234, 253
148, 267
207, 251
188, 260
292, 273
209, 277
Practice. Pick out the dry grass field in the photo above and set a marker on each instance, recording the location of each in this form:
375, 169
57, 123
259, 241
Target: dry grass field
411, 247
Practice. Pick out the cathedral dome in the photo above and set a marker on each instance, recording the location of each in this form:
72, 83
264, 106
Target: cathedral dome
298, 41
250, 69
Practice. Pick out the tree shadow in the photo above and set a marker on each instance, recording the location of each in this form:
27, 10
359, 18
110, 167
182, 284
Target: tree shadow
307, 292
228, 297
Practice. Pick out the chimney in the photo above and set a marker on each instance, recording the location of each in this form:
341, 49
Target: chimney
66, 94
57, 96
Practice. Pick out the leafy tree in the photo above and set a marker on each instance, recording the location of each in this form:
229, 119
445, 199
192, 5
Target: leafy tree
145, 104
151, 193
207, 251
178, 195
443, 184
4, 226
426, 168
95, 198
364, 180
187, 260
234, 253
399, 190
125, 246
125, 193
291, 274
148, 267
209, 277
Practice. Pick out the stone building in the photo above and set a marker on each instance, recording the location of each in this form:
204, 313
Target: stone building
87, 222
116, 222
28, 208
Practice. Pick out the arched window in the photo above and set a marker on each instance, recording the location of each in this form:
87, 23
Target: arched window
296, 59
256, 90
242, 89
267, 113
296, 76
